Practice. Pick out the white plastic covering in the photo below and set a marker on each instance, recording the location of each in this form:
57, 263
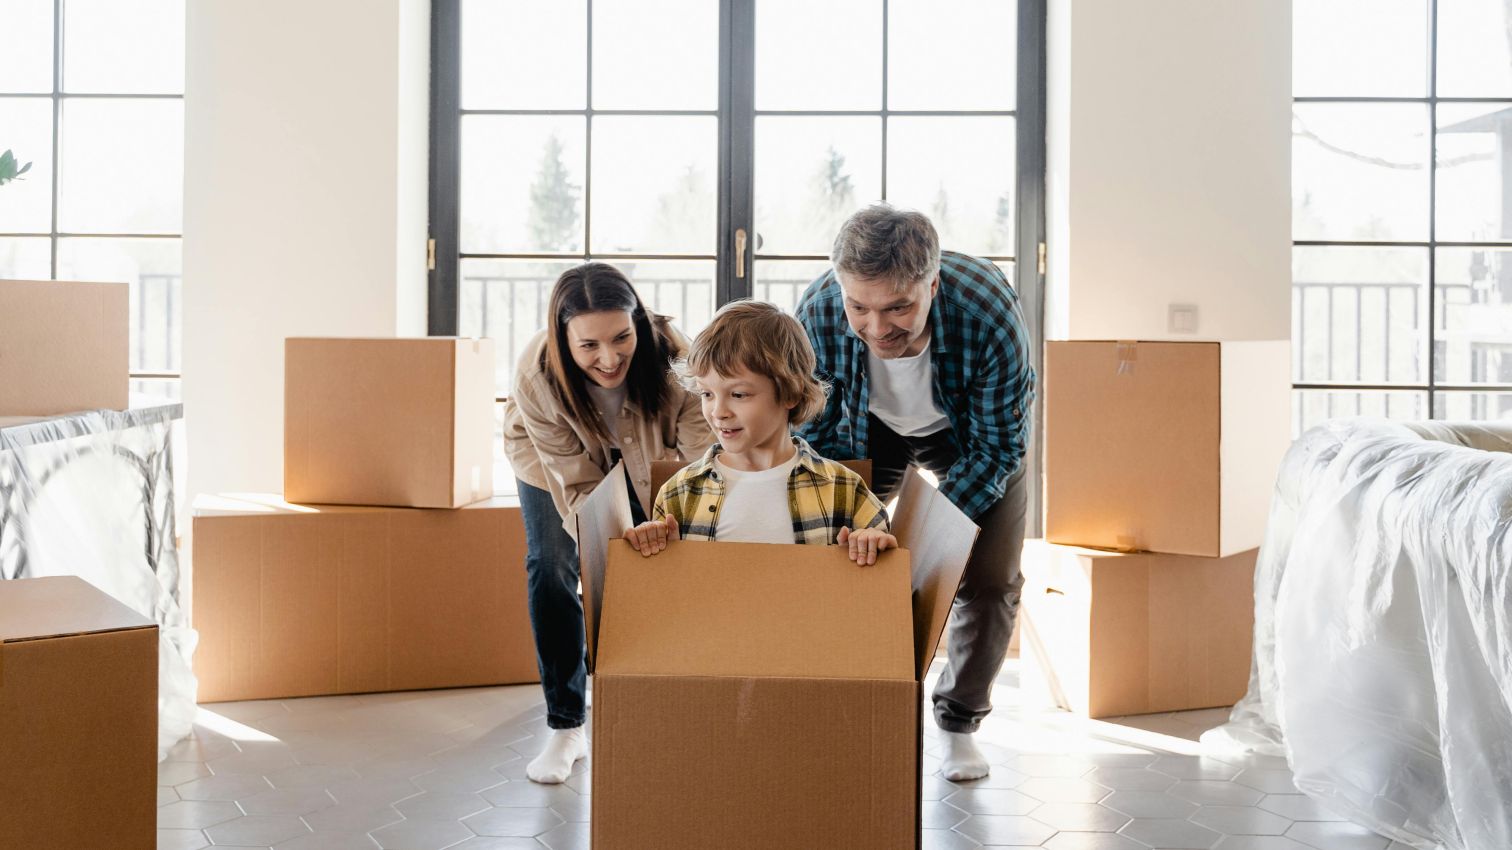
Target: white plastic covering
91, 495
1383, 630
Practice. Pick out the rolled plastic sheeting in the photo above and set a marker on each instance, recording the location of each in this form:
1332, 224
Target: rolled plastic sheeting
91, 495
1383, 630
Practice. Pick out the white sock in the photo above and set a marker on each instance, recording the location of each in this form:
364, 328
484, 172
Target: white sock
963, 760
554, 764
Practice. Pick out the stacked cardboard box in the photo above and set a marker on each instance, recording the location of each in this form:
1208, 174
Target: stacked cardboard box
63, 347
1168, 450
78, 700
388, 564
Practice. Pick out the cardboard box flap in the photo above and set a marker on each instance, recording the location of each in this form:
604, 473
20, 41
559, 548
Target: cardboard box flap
940, 539
755, 610
605, 514
61, 605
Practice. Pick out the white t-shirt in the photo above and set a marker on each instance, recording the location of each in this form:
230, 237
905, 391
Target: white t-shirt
609, 404
902, 393
755, 506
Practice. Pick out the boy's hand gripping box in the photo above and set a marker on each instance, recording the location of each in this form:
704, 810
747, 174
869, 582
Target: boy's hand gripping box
758, 695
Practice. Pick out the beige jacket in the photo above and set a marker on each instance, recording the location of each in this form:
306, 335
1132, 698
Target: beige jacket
551, 451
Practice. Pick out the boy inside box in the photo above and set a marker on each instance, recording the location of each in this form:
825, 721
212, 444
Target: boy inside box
753, 369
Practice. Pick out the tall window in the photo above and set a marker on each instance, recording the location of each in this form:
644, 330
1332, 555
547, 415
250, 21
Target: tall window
712, 149
1402, 209
92, 95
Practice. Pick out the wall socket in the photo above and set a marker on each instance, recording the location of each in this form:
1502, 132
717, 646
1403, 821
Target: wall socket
1182, 319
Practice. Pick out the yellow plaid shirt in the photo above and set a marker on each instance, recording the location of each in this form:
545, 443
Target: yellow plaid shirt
823, 496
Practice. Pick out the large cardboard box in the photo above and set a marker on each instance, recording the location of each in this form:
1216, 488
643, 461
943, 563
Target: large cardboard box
756, 696
400, 422
298, 600
78, 718
1164, 446
63, 347
1108, 633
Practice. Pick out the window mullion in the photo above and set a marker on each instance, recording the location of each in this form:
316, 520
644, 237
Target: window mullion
737, 92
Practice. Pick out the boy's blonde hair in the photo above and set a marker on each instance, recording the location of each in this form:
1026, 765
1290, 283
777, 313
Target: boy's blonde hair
760, 338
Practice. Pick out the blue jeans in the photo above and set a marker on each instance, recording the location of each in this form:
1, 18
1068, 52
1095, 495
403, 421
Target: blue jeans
556, 612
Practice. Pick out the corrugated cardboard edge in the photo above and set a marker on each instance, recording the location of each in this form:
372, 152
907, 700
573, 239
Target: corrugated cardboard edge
603, 516
940, 538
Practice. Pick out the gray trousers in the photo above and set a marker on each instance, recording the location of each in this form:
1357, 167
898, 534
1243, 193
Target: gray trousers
981, 619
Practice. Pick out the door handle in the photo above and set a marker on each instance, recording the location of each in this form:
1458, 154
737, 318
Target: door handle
740, 250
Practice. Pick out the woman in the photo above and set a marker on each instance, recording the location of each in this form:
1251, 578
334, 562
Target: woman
594, 388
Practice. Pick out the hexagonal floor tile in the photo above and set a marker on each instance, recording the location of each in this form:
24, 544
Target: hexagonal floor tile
257, 830
1297, 807
1269, 781
196, 814
1337, 835
1080, 817
1130, 779
420, 835
431, 806
1240, 820
1149, 804
568, 836
489, 842
1092, 841
1170, 833
941, 815
992, 801
287, 801
528, 794
1005, 829
352, 817
1206, 792
945, 839
181, 839
1260, 842
1195, 767
1063, 790
179, 772
329, 841
520, 822
1050, 767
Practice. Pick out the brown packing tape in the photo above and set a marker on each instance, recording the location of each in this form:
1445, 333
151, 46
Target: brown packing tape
1128, 352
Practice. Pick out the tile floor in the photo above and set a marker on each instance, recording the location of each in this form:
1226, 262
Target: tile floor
446, 769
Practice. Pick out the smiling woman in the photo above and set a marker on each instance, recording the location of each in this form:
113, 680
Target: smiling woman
593, 389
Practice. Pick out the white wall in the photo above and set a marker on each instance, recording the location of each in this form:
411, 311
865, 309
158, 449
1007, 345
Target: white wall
1169, 168
304, 206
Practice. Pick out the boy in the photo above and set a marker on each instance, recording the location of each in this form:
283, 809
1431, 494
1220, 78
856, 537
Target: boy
753, 368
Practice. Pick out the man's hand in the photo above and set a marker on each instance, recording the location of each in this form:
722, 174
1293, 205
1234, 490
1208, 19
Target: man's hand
652, 537
866, 543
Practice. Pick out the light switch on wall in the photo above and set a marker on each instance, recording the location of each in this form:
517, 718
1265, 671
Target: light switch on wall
1182, 319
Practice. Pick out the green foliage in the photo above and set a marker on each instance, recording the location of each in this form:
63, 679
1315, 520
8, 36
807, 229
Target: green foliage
554, 197
9, 170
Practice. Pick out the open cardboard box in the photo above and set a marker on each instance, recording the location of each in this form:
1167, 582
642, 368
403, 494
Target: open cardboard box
759, 695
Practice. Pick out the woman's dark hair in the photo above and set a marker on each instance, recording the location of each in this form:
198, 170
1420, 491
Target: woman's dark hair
595, 288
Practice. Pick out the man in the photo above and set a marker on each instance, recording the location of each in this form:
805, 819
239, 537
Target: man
929, 365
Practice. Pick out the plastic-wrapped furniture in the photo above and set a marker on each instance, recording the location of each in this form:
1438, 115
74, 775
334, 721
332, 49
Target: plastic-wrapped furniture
1383, 630
91, 495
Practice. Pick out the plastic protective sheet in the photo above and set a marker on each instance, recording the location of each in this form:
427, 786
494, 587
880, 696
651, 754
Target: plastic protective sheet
1383, 630
91, 495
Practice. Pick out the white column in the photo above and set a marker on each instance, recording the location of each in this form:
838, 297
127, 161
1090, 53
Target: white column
304, 206
1169, 175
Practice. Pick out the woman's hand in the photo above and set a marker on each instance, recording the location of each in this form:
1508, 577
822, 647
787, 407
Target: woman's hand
652, 537
866, 543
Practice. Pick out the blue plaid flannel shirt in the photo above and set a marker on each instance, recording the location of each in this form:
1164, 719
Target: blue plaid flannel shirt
983, 376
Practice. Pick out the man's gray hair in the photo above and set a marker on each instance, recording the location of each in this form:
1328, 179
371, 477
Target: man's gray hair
882, 241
